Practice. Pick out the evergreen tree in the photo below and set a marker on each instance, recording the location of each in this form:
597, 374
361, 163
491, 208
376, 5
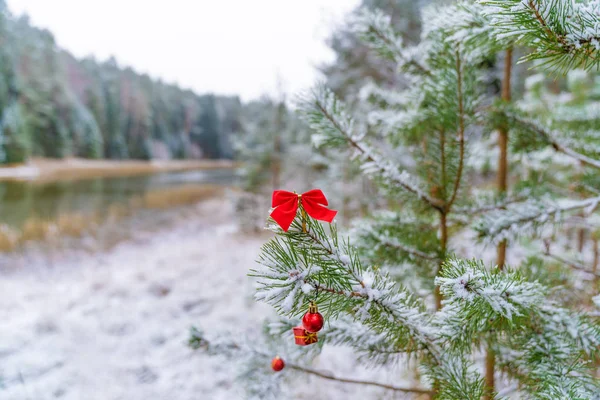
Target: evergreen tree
207, 127
86, 108
404, 284
14, 141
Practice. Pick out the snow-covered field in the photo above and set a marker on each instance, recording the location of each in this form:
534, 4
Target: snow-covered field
114, 324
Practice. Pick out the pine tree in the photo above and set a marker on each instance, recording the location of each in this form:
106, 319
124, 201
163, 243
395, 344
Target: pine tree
273, 147
403, 285
208, 127
15, 145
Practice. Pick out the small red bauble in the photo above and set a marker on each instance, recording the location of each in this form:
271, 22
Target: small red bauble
312, 320
277, 364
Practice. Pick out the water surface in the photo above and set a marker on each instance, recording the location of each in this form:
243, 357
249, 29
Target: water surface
22, 200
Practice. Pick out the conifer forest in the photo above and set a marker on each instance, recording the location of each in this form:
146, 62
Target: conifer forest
423, 222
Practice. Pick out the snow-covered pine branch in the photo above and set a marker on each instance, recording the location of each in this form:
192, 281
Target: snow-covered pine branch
462, 26
333, 127
539, 332
477, 299
548, 136
529, 217
485, 202
298, 266
375, 29
548, 359
381, 233
564, 33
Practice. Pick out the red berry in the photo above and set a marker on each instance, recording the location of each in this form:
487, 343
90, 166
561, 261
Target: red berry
312, 322
277, 364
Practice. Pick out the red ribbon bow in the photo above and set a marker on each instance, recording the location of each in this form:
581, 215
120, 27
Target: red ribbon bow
286, 205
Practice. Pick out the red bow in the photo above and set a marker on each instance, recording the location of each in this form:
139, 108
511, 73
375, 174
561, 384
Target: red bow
286, 205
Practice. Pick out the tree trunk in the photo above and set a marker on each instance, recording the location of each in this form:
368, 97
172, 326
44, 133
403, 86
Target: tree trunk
490, 360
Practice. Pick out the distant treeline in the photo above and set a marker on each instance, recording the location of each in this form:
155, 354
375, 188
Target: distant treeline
54, 105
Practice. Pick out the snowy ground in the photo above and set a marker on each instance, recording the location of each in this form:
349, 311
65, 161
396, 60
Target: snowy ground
113, 325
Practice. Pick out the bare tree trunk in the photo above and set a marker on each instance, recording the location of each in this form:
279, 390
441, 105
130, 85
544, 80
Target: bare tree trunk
444, 246
490, 359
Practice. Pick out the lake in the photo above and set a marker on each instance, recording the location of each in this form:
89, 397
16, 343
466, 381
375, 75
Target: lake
21, 200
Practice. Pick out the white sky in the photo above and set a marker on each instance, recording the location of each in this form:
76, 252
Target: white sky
221, 46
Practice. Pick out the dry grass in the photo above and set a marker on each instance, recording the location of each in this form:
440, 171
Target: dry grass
182, 195
8, 238
49, 170
76, 224
79, 224
36, 229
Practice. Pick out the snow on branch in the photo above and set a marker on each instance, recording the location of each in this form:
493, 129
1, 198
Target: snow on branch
297, 266
486, 204
480, 295
398, 235
527, 218
550, 137
375, 28
463, 26
327, 116
547, 358
564, 33
458, 379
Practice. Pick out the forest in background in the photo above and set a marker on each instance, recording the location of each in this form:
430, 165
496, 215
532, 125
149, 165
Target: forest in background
55, 105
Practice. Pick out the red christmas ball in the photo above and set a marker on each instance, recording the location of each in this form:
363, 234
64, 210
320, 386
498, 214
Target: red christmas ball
312, 320
277, 364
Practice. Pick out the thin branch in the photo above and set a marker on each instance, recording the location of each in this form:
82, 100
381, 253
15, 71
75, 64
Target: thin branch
205, 344
488, 207
320, 288
570, 263
332, 377
386, 241
501, 221
544, 25
549, 137
443, 161
406, 249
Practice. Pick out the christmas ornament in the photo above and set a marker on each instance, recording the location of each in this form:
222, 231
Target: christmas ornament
286, 205
312, 320
277, 364
303, 337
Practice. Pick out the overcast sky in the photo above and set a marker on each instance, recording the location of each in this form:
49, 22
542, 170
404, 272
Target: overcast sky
221, 46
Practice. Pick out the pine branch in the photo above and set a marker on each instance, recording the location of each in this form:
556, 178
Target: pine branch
301, 263
327, 116
406, 249
551, 138
375, 29
528, 217
565, 34
388, 235
478, 295
489, 207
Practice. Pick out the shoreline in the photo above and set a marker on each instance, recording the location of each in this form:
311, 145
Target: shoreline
53, 170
